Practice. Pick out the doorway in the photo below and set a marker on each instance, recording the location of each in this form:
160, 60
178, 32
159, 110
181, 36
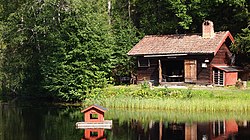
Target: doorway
173, 71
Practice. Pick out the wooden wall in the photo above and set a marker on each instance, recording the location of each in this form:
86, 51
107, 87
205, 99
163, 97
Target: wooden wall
203, 74
152, 73
94, 111
231, 78
98, 131
149, 73
222, 57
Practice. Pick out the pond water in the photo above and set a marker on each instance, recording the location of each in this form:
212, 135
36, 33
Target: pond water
30, 121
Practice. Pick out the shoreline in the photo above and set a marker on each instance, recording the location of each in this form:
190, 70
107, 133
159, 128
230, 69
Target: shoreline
184, 99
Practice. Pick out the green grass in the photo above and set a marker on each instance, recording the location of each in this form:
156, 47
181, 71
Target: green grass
189, 100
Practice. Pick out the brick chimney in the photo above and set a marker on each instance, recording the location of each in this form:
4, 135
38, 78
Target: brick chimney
207, 29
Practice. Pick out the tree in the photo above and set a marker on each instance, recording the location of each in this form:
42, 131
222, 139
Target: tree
64, 48
242, 47
185, 16
243, 42
59, 48
126, 35
81, 55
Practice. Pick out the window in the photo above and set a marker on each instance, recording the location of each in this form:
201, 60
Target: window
93, 116
218, 77
142, 62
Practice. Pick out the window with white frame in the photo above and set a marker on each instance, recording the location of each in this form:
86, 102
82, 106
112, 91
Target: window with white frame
218, 77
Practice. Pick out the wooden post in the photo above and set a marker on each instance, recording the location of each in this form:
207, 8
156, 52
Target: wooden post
160, 72
190, 131
160, 130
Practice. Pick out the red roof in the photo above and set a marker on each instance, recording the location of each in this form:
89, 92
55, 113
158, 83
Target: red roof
179, 44
96, 107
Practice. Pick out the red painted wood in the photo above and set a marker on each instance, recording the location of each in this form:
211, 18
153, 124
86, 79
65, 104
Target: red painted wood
99, 134
231, 78
87, 115
231, 126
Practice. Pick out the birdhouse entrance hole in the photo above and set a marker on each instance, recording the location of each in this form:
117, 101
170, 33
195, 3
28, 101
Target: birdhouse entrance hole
94, 116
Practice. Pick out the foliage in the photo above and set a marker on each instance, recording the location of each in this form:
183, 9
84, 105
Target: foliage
65, 48
125, 36
242, 45
175, 16
82, 57
34, 120
21, 41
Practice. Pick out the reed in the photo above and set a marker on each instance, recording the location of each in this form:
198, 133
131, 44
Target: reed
147, 115
189, 100
178, 104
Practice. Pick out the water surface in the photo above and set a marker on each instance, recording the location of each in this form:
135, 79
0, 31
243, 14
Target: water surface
33, 120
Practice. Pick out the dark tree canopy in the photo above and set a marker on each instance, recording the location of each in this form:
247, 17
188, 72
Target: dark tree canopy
65, 48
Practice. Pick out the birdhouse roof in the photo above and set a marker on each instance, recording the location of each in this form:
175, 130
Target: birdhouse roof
98, 107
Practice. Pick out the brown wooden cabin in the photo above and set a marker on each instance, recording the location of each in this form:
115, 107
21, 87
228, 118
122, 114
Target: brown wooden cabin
188, 58
94, 113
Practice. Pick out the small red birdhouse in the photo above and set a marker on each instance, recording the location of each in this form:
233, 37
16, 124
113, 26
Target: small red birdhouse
94, 113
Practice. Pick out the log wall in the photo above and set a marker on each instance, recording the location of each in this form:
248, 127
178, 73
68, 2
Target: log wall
150, 73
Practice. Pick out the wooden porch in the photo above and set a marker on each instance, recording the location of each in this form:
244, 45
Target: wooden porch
177, 72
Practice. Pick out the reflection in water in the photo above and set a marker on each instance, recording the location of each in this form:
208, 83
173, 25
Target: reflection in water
216, 130
94, 134
32, 121
35, 122
213, 130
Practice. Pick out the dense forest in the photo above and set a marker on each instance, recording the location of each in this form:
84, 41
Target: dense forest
62, 49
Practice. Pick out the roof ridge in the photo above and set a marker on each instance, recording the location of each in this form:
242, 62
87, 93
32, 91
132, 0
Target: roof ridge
182, 34
95, 106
